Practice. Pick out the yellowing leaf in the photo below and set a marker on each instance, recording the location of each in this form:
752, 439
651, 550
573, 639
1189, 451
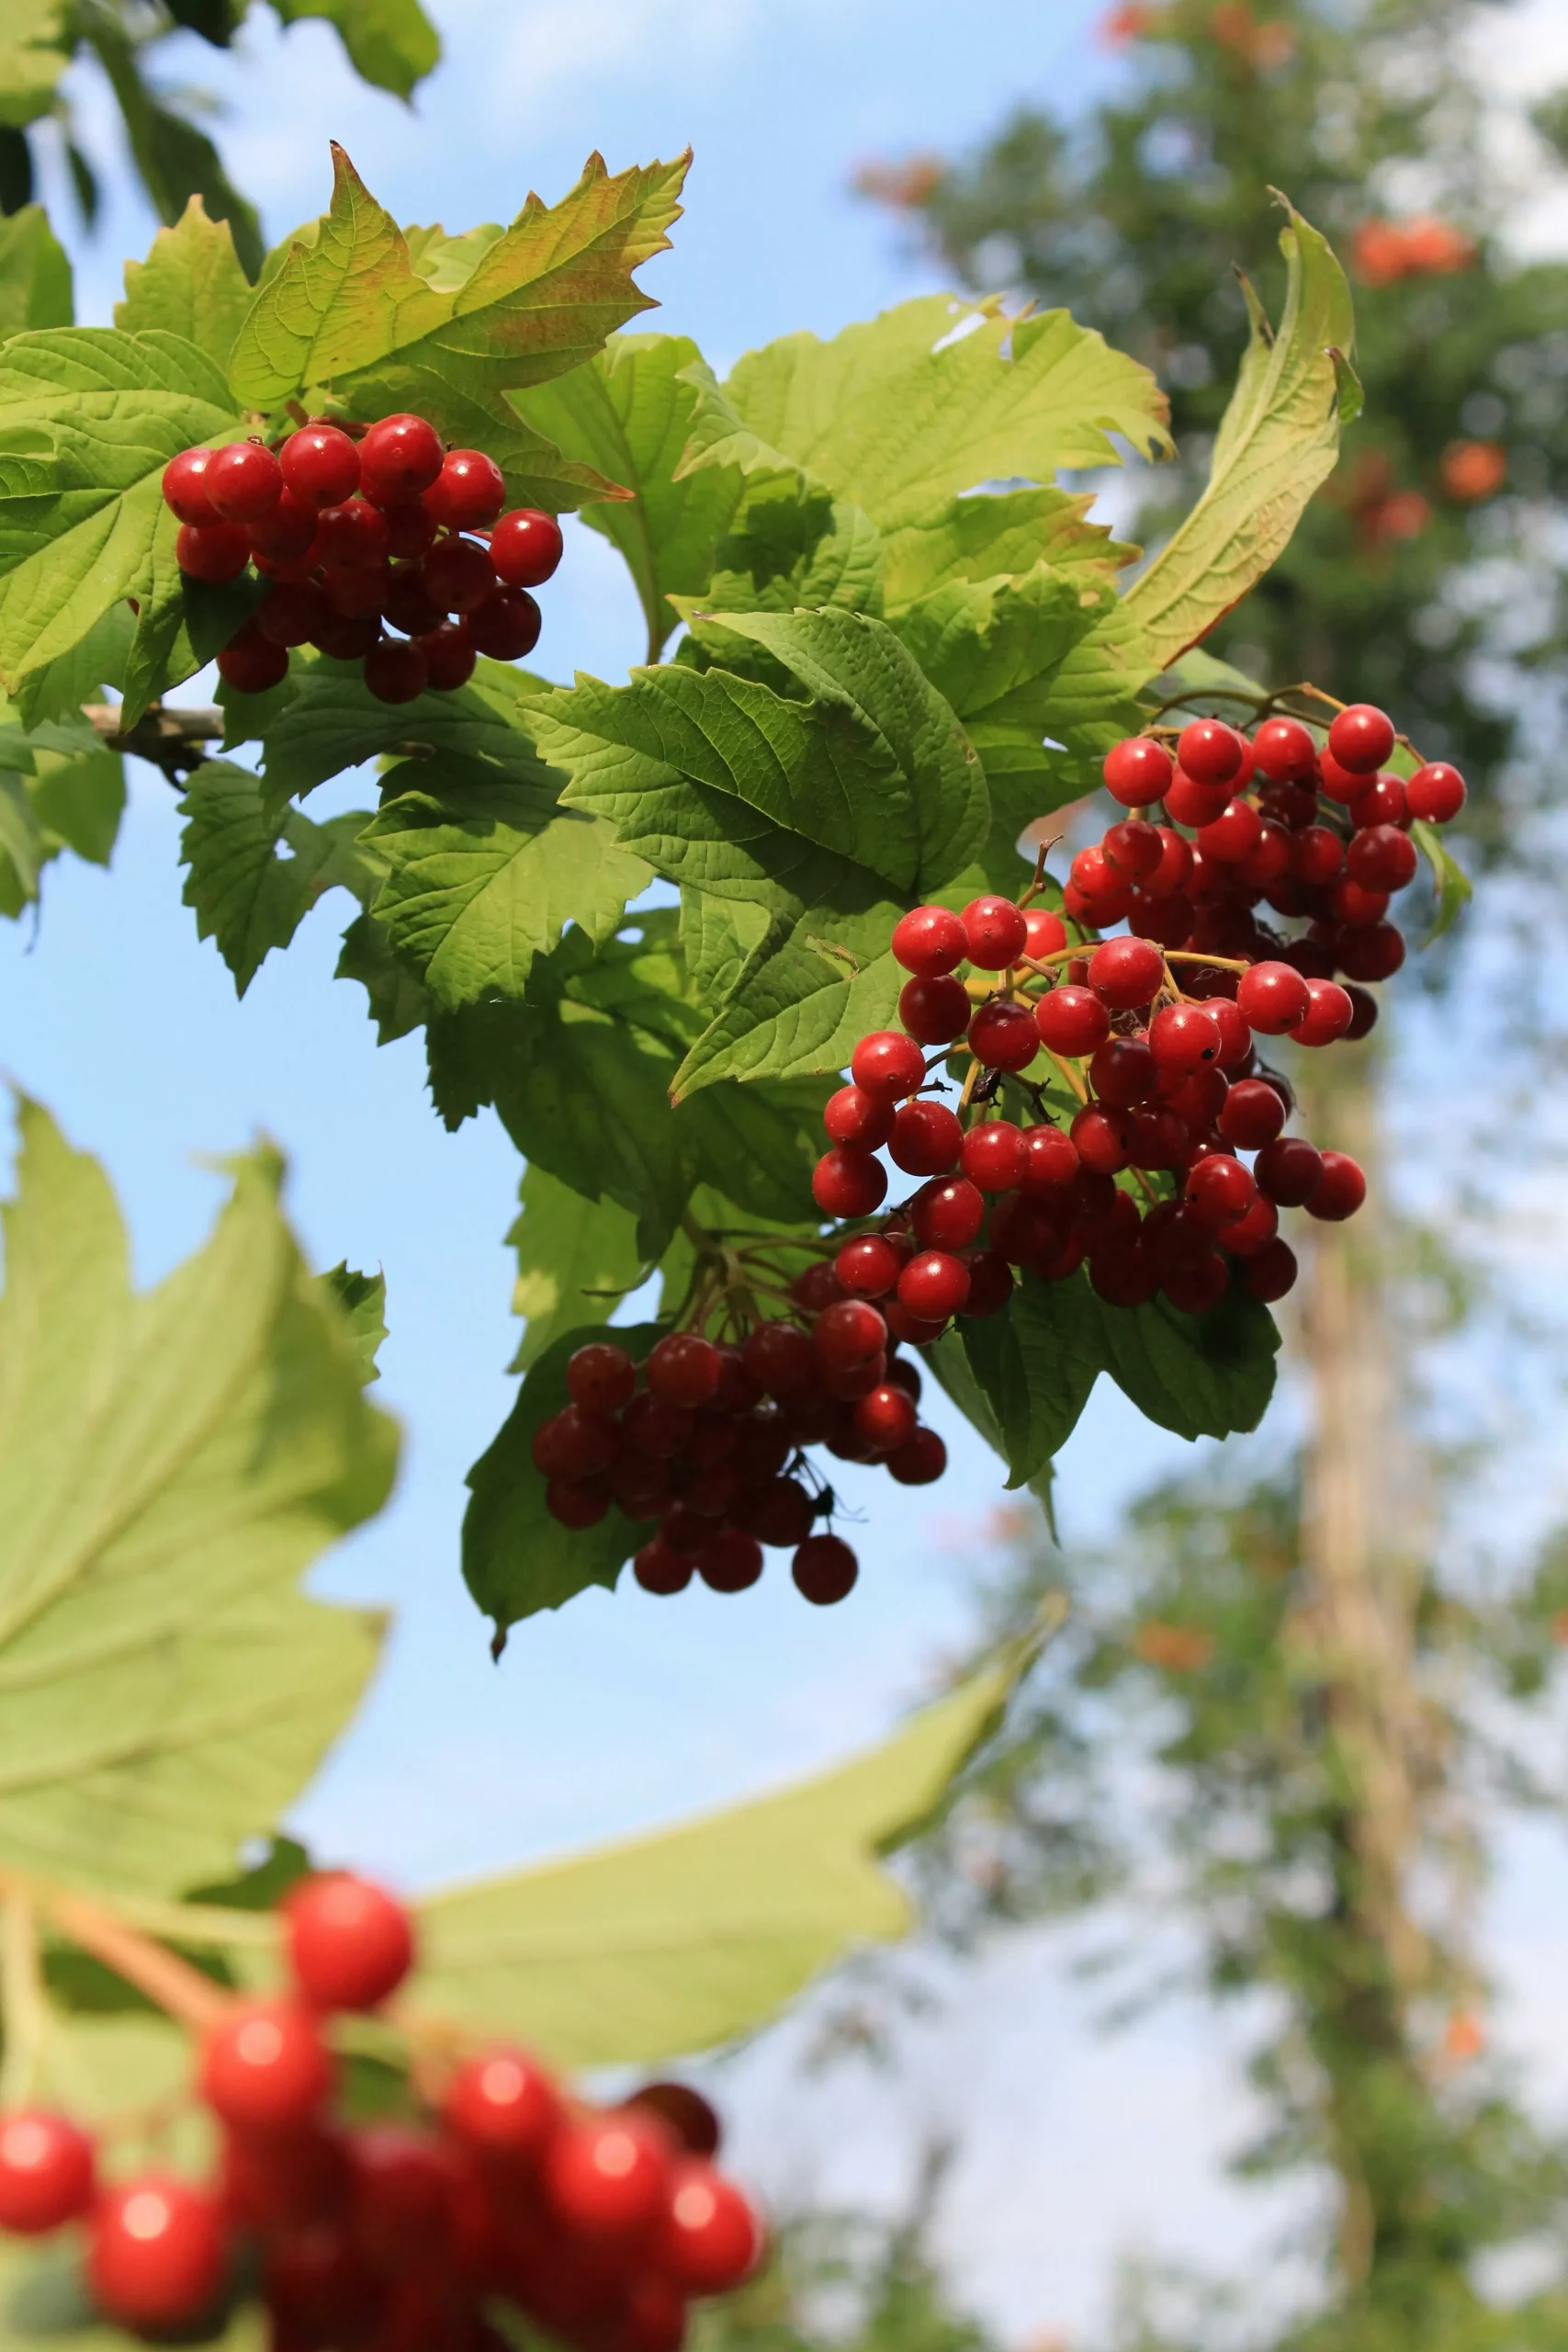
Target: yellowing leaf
169, 1464
679, 1940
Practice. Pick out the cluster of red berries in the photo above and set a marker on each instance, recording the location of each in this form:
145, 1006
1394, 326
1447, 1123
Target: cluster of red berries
709, 1440
361, 537
1168, 1077
598, 2226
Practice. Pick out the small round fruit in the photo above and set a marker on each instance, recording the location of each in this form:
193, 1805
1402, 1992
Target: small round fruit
848, 1182
683, 1369
847, 1334
1362, 737
1271, 1272
601, 1378
264, 2066
1045, 934
607, 2177
990, 1283
448, 650
350, 1941
852, 1115
1071, 1020
685, 2112
157, 2252
934, 1012
410, 530
933, 1286
395, 672
1220, 1192
398, 458
1124, 1072
468, 491
525, 547
572, 1443
1003, 1035
995, 933
506, 626
1137, 772
1185, 1037
1251, 1114
1134, 849
290, 531
710, 2240
250, 663
1124, 973
992, 1155
1284, 751
926, 1137
353, 536
930, 942
504, 2105
1372, 952
293, 614
47, 2168
824, 1570
1435, 794
1210, 753
1103, 1139
921, 1463
1288, 1170
731, 1561
780, 1357
885, 1417
458, 575
185, 487
1382, 858
869, 1266
947, 1214
1049, 1163
1272, 997
321, 466
578, 1503
660, 1570
1232, 837
1339, 1189
212, 552
244, 482
1380, 801
888, 1063
1328, 1015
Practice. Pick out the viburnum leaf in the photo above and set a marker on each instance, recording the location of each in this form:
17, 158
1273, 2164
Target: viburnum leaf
904, 412
60, 788
680, 1941
1036, 1365
627, 414
1277, 440
398, 1004
788, 546
1000, 531
35, 271
484, 872
97, 661
190, 285
255, 869
34, 51
332, 721
390, 43
717, 936
361, 1301
348, 311
170, 1465
575, 1261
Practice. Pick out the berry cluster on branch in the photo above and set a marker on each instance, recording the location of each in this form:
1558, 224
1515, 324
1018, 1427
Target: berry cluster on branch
389, 550
598, 2226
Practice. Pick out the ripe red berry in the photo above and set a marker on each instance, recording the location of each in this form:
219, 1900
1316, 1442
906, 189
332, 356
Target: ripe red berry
992, 1155
185, 487
1254, 1230
1251, 1114
934, 1012
1050, 1161
1382, 858
573, 1445
658, 1569
321, 466
293, 614
398, 458
1045, 933
601, 1378
504, 2105
350, 1942
947, 1216
1362, 737
264, 2066
852, 1116
847, 1334
1271, 1272
731, 1561
1184, 1037
1363, 1013
250, 663
933, 1286
1232, 837
926, 1137
1196, 1289
711, 2239
1219, 1191
921, 1463
468, 491
403, 2193
1103, 1139
1316, 856
995, 933
394, 673
1434, 794
410, 530
1071, 1020
780, 1357
683, 1369
885, 1418
1374, 952
1355, 907
1002, 1034
1124, 973
448, 650
1134, 849
1137, 770
1187, 802
608, 2177
506, 626
1124, 1072
1209, 751
1105, 891
824, 1570
869, 1266
157, 2252
244, 482
577, 1503
1380, 801
1328, 1015
888, 1063
930, 941
458, 575
46, 2172
212, 552
1273, 998
848, 1182
525, 547
1339, 1189
353, 536
1284, 751
289, 531
1288, 1170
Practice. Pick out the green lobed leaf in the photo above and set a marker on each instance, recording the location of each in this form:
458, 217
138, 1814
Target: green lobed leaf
190, 285
787, 547
1034, 1366
60, 688
999, 531
575, 1261
717, 937
361, 1300
680, 1941
170, 1465
331, 721
391, 43
398, 1004
1279, 439
35, 270
254, 870
174, 158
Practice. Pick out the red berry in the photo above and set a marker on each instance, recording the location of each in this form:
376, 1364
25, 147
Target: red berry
1050, 1161
1098, 883
46, 2172
601, 1378
577, 1503
1272, 997
244, 482
1136, 771
1380, 801
930, 941
1339, 1189
921, 1463
185, 487
1382, 859
407, 603
410, 530
1002, 1034
264, 2066
683, 1369
1284, 751
250, 663
1103, 1139
933, 1286
1271, 1272
1354, 906
1134, 849
947, 1216
1328, 1015
992, 1155
1187, 802
888, 1063
448, 650
1196, 1289
1362, 737
293, 614
573, 1445
212, 552
398, 458
403, 2196
885, 1418
1071, 1020
468, 491
990, 1283
458, 575
1288, 1170
711, 2238
847, 1334
525, 547
1124, 1072
658, 1569
1209, 751
1251, 1114
289, 531
1363, 1013
731, 1561
1316, 856
934, 1012
361, 593
157, 2252
504, 2104
1220, 1190
780, 1357
1254, 1230
1230, 837
394, 673
852, 1115
848, 1182
824, 1570
506, 626
1337, 783
608, 2177
995, 933
869, 1266
1124, 973
1184, 1037
1434, 794
926, 1137
353, 536
350, 1942
321, 466
1176, 864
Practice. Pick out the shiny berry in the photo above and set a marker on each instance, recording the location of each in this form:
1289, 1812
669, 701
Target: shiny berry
847, 1333
1271, 1272
1124, 973
250, 663
934, 1012
660, 1570
711, 2239
1288, 1171
854, 1116
869, 1266
933, 1286
1219, 1191
1134, 849
353, 536
1230, 837
525, 547
1328, 1015
244, 482
1317, 856
1184, 1037
1002, 1034
1380, 801
458, 575
185, 487
930, 941
608, 2176
1137, 772
1050, 1161
995, 933
573, 1445
46, 2172
921, 1463
1362, 737
824, 1570
157, 2252
683, 1369
885, 1418
1187, 802
1339, 1189
321, 466
264, 2066
926, 1137
1045, 934
947, 1216
848, 1182
394, 673
448, 650
1251, 1114
350, 1942
1434, 794
506, 625
504, 2105
212, 552
468, 491
398, 458
992, 1155
1124, 1072
1273, 998
601, 1378
1209, 751
1103, 1139
888, 1063
1284, 751
289, 531
1382, 858
1071, 1020
780, 1357
731, 1561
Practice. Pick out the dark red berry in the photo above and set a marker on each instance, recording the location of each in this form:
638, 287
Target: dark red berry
1251, 1114
992, 1155
780, 1357
926, 1137
352, 538
1071, 1020
350, 1942
1254, 1230
1271, 1272
888, 1063
1124, 973
577, 1502
824, 1570
293, 614
1002, 1034
1328, 1015
458, 575
869, 1266
934, 1012
1382, 858
448, 650
933, 1286
947, 1216
1316, 856
1220, 1190
1209, 751
321, 466
525, 547
930, 941
468, 491
658, 1569
398, 458
1050, 1161
990, 1283
47, 2168
506, 625
849, 1333
921, 1463
1137, 772
360, 593
573, 1445
1196, 1289
852, 1115
1103, 1139
1363, 1013
1434, 794
394, 673
250, 663
1374, 952
847, 1182
815, 1286
885, 1418
731, 1561
212, 552
1124, 1072
601, 1378
1339, 1189
1362, 737
1184, 1037
683, 1369
782, 1514
1288, 1170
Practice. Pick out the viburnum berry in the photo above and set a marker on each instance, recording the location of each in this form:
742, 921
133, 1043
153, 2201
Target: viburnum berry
888, 1063
947, 1216
1362, 737
449, 651
1317, 856
1382, 858
1380, 801
992, 1155
1187, 802
157, 2252
1072, 1020
1003, 1035
1050, 1161
47, 2168
1219, 1191
1231, 837
930, 942
1268, 861
1328, 1015
576, 1502
1134, 849
264, 2066
782, 1513
293, 614
573, 1443
506, 626
1251, 1114
848, 1182
1357, 908
934, 1012
885, 1418
926, 1137
1372, 952
1363, 1012
1272, 997
398, 458
731, 1561
1271, 1272
243, 481
185, 487
1254, 1230
1434, 794
710, 2240
1124, 1072
824, 1570
780, 1357
921, 1462
869, 1266
1209, 752
1103, 1139
1184, 1037
1137, 770
350, 1942
683, 1369
1287, 1171
525, 547
856, 1117
1284, 751
815, 1288
601, 1378
1045, 933
933, 1286
468, 491
660, 1570
995, 933
458, 575
394, 673
353, 536
321, 466
1341, 1189
1124, 973
504, 2106
403, 2184
250, 663
1198, 1289
212, 552
608, 2177
847, 1333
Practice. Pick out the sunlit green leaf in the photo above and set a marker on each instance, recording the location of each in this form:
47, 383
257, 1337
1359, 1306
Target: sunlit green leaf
190, 285
35, 270
576, 1261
